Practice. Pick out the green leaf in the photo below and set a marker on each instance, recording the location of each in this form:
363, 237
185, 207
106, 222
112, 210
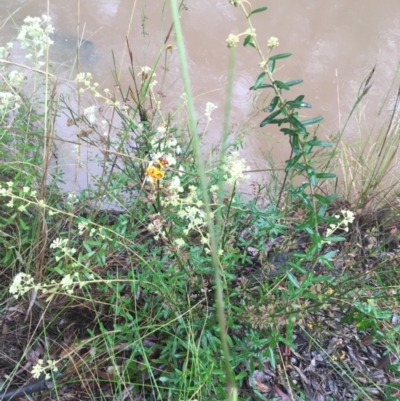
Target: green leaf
298, 125
279, 121
269, 118
294, 82
323, 199
262, 86
288, 131
258, 10
259, 80
271, 357
22, 224
299, 98
305, 105
322, 144
311, 121
319, 279
271, 65
334, 239
326, 175
297, 267
248, 41
281, 85
279, 56
273, 104
293, 279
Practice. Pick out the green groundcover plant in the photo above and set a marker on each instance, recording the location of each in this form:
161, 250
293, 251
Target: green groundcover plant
187, 289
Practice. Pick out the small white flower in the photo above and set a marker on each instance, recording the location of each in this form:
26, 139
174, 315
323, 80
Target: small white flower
21, 284
66, 283
171, 143
89, 113
232, 40
179, 242
273, 42
210, 107
16, 79
58, 243
171, 160
161, 130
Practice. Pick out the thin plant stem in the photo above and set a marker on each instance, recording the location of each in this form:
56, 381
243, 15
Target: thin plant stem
230, 380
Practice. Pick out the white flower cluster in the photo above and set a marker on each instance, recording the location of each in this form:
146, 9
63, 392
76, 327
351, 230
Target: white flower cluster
165, 146
84, 226
22, 283
16, 79
191, 210
234, 168
84, 79
232, 40
273, 42
348, 218
41, 368
9, 103
5, 50
22, 196
34, 37
89, 113
210, 107
157, 226
61, 243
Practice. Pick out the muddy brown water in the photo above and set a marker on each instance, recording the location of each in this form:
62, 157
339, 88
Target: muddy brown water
334, 44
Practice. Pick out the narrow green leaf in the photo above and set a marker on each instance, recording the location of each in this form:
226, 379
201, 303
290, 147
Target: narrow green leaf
319, 279
323, 199
271, 355
281, 85
297, 267
311, 121
279, 121
322, 144
271, 65
334, 239
288, 131
247, 40
293, 279
273, 104
262, 86
258, 10
294, 82
269, 118
326, 175
305, 105
298, 125
22, 224
259, 80
279, 56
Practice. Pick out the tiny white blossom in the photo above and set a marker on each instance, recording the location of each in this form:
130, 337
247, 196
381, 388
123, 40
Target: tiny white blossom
89, 113
161, 130
66, 283
210, 107
16, 79
232, 40
179, 242
273, 42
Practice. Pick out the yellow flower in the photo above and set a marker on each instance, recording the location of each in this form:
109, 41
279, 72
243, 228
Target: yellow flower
159, 174
155, 173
